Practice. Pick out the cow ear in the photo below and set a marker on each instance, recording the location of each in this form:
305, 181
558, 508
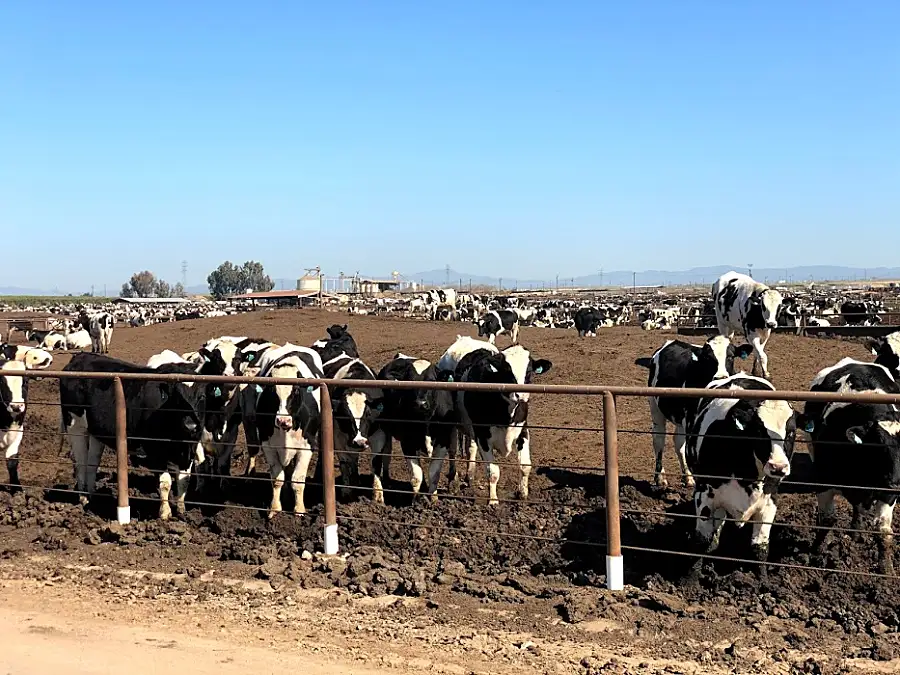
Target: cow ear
873, 345
164, 391
808, 424
541, 366
743, 351
855, 434
204, 354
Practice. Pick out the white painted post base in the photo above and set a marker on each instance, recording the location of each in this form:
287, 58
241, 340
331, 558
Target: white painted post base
123, 514
615, 573
331, 540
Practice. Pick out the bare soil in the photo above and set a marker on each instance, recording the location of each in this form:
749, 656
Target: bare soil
519, 586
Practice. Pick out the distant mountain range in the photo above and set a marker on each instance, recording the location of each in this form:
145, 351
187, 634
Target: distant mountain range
696, 275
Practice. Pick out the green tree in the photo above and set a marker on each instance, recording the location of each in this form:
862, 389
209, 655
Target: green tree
142, 284
229, 279
162, 289
178, 290
127, 291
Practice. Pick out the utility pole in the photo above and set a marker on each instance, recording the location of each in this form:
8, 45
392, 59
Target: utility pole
501, 283
557, 283
601, 276
184, 277
92, 290
750, 270
447, 271
634, 283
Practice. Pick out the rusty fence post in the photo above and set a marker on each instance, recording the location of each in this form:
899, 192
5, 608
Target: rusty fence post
326, 456
123, 510
615, 570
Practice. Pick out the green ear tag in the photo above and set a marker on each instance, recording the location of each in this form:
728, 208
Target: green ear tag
217, 392
258, 389
310, 388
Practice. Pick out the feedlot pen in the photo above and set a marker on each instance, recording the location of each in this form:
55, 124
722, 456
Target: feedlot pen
533, 563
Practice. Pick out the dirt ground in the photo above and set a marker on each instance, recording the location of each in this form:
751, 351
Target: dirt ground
459, 584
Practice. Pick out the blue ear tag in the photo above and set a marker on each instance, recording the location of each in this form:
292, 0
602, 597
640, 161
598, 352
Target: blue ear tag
310, 388
539, 370
379, 407
450, 379
810, 426
258, 389
217, 392
251, 357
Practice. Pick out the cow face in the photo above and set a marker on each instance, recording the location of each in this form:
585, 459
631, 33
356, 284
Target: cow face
184, 410
337, 331
12, 389
716, 358
356, 411
769, 301
523, 368
776, 422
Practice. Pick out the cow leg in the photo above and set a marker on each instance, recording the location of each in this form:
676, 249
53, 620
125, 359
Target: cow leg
492, 338
514, 335
276, 471
435, 466
165, 487
825, 519
493, 473
884, 515
298, 478
762, 528
378, 443
710, 520
95, 452
524, 463
658, 422
411, 452
760, 357
12, 454
253, 447
687, 479
181, 488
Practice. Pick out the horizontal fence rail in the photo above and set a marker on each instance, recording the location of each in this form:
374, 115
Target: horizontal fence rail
610, 472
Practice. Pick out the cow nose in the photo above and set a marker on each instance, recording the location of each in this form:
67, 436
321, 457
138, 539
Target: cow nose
284, 421
777, 469
771, 324
361, 441
424, 405
16, 408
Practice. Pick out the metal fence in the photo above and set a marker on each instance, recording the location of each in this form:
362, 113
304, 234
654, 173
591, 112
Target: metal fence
610, 430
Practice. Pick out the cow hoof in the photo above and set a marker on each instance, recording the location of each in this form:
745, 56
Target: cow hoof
494, 502
433, 498
165, 512
180, 510
688, 482
272, 513
300, 510
661, 482
83, 500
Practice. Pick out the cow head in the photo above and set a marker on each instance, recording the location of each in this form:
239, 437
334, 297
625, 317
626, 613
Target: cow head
768, 301
716, 360
337, 331
356, 411
12, 389
887, 352
291, 406
524, 368
771, 428
183, 406
881, 434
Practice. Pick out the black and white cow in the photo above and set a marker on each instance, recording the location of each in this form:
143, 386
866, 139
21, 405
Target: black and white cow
422, 420
34, 358
739, 452
13, 394
338, 342
497, 322
288, 418
862, 313
356, 412
165, 419
441, 299
588, 320
100, 327
497, 422
856, 444
750, 307
887, 352
678, 365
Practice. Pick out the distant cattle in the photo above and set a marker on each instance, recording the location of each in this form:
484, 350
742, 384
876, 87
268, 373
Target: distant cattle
438, 299
165, 419
860, 313
288, 417
856, 449
739, 451
100, 327
750, 307
497, 322
339, 341
678, 365
13, 394
588, 320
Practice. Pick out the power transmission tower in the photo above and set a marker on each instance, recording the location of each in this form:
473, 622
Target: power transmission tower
184, 277
447, 280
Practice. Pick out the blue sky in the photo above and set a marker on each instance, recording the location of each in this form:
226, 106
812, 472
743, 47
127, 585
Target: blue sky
504, 138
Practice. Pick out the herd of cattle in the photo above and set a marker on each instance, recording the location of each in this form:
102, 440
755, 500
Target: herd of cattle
733, 453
